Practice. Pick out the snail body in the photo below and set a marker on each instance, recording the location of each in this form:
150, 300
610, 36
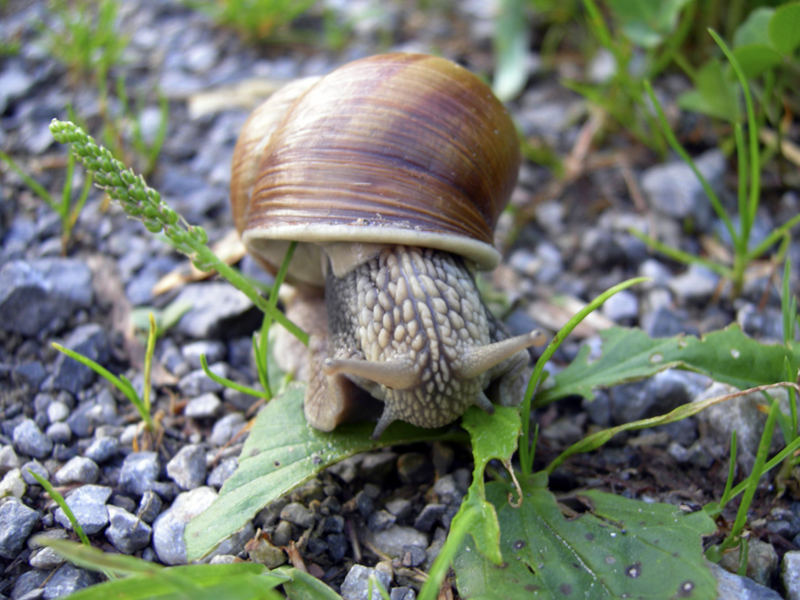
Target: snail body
391, 171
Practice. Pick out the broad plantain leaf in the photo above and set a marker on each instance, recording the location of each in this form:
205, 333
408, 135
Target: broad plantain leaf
282, 452
727, 356
714, 94
616, 548
754, 29
647, 23
784, 27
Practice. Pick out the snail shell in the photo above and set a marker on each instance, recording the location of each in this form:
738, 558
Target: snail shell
396, 165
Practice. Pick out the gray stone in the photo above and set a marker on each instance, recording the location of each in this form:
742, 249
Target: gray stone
16, 523
45, 558
296, 513
139, 473
90, 340
30, 374
790, 574
29, 440
212, 304
67, 580
13, 484
399, 507
36, 467
428, 516
762, 561
197, 382
402, 593
88, 504
39, 296
188, 467
59, 433
149, 506
392, 541
222, 471
125, 531
98, 410
696, 285
203, 406
214, 352
77, 470
380, 520
356, 585
8, 459
102, 449
169, 526
15, 82
672, 189
227, 427
57, 411
730, 586
622, 307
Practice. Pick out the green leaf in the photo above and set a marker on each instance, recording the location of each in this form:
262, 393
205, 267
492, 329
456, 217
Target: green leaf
605, 547
281, 452
302, 586
784, 27
755, 59
714, 94
511, 41
755, 29
147, 580
728, 356
644, 22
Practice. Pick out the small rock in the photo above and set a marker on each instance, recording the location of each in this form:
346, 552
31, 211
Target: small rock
741, 588
262, 551
149, 506
447, 489
188, 467
40, 296
356, 583
203, 406
393, 541
212, 305
696, 285
59, 433
225, 428
214, 352
126, 532
413, 556
762, 561
31, 583
673, 190
428, 516
13, 484
45, 558
67, 580
197, 382
29, 440
622, 307
16, 523
380, 520
99, 410
168, 528
57, 411
77, 470
783, 522
102, 449
90, 340
338, 545
402, 593
36, 467
139, 473
8, 459
222, 471
399, 507
296, 513
790, 574
88, 504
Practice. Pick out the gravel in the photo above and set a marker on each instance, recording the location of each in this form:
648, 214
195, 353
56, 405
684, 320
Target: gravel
67, 425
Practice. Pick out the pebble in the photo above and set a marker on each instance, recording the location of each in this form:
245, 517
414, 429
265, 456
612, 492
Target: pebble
212, 305
77, 470
88, 504
197, 382
402, 593
40, 296
36, 467
299, 515
57, 411
214, 352
380, 520
139, 473
169, 526
222, 471
102, 449
762, 561
13, 484
8, 458
356, 583
226, 428
188, 467
622, 307
100, 409
126, 532
673, 190
790, 574
45, 558
730, 586
395, 539
68, 580
149, 507
204, 406
428, 516
90, 340
29, 440
16, 524
59, 433
695, 286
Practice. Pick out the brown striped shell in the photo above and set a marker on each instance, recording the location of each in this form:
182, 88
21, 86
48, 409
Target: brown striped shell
392, 149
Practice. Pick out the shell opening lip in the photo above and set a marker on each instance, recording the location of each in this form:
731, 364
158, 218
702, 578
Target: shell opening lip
261, 241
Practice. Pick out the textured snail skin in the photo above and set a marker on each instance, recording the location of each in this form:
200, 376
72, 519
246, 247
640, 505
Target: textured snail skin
417, 308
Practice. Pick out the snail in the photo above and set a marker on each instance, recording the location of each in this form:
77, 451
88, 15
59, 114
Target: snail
390, 172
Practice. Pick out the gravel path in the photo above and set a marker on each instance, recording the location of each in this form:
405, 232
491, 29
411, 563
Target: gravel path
58, 420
